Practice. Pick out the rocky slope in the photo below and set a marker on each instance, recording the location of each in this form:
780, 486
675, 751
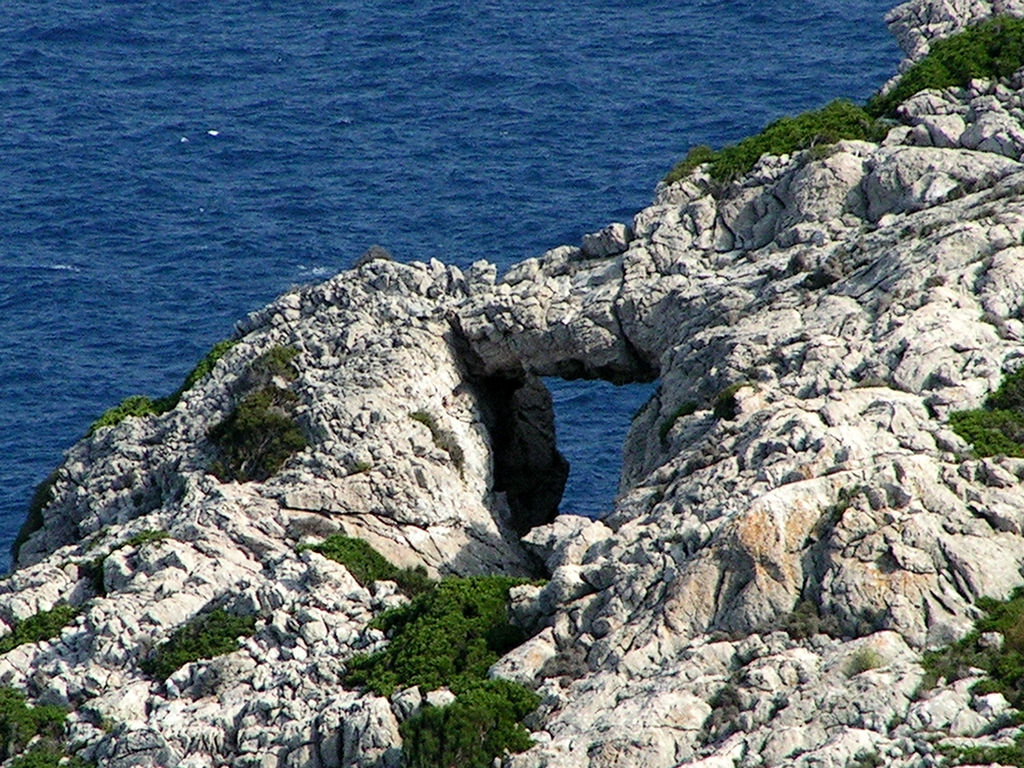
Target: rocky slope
812, 326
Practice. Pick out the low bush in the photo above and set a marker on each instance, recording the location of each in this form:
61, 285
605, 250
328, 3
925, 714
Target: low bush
992, 49
276, 362
48, 757
134, 405
997, 428
723, 721
367, 565
481, 724
805, 621
725, 406
203, 368
1011, 754
991, 433
257, 437
834, 122
1010, 395
20, 724
863, 660
686, 409
140, 405
447, 637
443, 439
212, 634
867, 760
145, 537
1004, 665
42, 626
41, 499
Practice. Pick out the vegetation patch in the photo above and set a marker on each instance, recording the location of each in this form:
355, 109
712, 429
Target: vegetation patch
42, 626
41, 499
997, 428
133, 405
145, 537
140, 405
805, 621
257, 437
686, 409
367, 565
723, 721
93, 569
1003, 662
212, 634
992, 49
481, 724
443, 439
276, 362
834, 122
725, 406
449, 637
21, 723
1011, 754
48, 757
863, 660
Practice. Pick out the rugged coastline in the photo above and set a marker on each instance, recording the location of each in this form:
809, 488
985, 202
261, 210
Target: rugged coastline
797, 524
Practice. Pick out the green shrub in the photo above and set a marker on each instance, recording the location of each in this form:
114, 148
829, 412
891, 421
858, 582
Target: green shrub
1012, 754
997, 428
203, 368
257, 437
992, 49
140, 405
41, 499
840, 119
48, 757
443, 439
1004, 665
1010, 395
42, 626
867, 760
206, 636
145, 537
482, 723
20, 723
863, 660
134, 405
991, 433
686, 409
697, 155
276, 362
367, 565
805, 620
447, 637
725, 406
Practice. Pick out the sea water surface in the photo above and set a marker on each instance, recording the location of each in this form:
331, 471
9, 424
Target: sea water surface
166, 167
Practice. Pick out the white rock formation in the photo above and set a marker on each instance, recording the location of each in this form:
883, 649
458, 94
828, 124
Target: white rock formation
812, 325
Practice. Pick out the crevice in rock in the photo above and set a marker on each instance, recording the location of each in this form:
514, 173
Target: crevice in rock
528, 467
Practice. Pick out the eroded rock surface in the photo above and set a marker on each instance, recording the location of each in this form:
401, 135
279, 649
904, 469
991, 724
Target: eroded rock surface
812, 326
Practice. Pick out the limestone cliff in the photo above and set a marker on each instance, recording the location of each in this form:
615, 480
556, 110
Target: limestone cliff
812, 325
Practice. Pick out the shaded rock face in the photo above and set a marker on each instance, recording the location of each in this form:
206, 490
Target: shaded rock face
376, 360
812, 326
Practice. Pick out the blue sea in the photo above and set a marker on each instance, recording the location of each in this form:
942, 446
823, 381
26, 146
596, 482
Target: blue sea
166, 167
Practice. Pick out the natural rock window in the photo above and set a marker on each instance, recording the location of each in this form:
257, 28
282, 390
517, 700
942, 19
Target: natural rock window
592, 418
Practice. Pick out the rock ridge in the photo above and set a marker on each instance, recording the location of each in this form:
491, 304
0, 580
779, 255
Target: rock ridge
812, 326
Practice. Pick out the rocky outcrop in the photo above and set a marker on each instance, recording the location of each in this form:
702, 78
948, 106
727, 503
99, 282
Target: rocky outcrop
812, 326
